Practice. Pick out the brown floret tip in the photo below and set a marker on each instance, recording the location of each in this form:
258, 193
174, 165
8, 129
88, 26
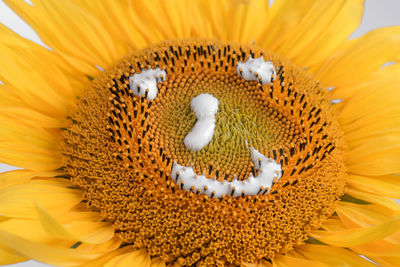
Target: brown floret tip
120, 148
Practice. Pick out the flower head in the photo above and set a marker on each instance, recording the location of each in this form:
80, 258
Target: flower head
210, 139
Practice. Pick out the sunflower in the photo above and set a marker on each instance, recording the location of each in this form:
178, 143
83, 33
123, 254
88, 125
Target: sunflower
207, 133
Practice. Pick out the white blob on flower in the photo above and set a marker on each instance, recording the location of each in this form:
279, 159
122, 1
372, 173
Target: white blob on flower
147, 81
257, 70
205, 106
268, 172
336, 101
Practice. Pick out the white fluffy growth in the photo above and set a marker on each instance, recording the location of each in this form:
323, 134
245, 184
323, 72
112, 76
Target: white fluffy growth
336, 101
188, 180
205, 106
257, 70
267, 168
147, 80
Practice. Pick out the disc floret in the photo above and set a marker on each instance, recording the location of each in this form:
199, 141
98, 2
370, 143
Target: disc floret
122, 146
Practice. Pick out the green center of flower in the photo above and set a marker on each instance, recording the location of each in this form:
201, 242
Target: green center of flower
242, 116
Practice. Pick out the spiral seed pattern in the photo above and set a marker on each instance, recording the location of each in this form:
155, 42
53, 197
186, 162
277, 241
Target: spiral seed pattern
120, 148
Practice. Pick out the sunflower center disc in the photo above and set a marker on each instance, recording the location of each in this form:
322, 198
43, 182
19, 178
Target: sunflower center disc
129, 131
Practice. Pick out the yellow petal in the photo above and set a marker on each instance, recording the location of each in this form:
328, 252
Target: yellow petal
33, 118
85, 231
358, 236
73, 33
356, 215
326, 25
367, 103
104, 248
378, 249
264, 263
150, 11
157, 262
60, 71
37, 231
387, 261
23, 136
16, 177
289, 261
365, 55
138, 258
376, 156
29, 146
7, 256
176, 17
91, 232
372, 198
37, 161
373, 127
101, 261
384, 79
213, 10
340, 23
47, 254
308, 32
124, 21
19, 200
29, 229
333, 223
36, 88
331, 256
242, 19
284, 16
388, 185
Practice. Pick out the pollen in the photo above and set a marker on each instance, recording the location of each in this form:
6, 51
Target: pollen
125, 149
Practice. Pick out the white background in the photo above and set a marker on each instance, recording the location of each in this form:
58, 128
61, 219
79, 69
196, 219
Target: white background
377, 13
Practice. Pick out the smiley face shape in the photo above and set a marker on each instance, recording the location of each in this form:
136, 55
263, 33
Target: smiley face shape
260, 157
